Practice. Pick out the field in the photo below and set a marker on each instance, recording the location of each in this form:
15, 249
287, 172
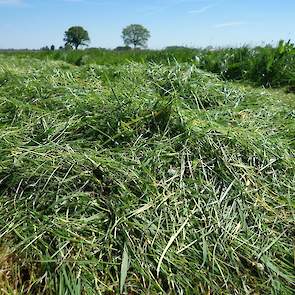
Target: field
264, 66
144, 177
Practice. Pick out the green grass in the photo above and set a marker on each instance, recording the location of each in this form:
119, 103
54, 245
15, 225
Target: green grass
264, 66
143, 179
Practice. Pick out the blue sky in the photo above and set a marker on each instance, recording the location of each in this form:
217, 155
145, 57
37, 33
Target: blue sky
36, 23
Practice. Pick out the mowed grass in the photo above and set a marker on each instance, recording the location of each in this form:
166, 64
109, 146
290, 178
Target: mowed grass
143, 179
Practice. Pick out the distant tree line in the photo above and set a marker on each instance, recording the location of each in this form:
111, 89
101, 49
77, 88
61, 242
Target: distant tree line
134, 36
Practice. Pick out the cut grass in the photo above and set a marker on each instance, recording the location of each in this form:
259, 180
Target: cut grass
143, 179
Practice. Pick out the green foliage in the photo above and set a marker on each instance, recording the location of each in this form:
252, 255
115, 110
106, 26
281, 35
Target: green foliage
45, 48
136, 35
142, 178
265, 66
76, 36
122, 48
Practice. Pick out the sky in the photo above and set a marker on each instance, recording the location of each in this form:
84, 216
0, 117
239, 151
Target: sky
195, 23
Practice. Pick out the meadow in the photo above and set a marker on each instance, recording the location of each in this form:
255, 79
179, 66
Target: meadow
147, 172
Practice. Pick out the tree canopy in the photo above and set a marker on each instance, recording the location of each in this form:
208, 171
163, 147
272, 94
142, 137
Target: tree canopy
136, 35
76, 36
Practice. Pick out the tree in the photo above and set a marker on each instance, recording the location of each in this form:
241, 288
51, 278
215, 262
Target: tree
52, 47
68, 46
76, 36
45, 48
122, 48
136, 35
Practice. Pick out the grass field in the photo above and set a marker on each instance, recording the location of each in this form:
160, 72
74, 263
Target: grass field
143, 178
268, 66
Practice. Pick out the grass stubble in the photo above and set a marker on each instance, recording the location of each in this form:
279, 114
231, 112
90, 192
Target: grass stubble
143, 179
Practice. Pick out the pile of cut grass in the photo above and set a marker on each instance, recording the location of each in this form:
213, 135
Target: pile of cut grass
143, 179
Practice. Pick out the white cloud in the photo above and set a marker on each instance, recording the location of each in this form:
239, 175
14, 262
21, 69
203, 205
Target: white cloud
229, 24
201, 10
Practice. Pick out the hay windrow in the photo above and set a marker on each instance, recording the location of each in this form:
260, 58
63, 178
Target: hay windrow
186, 179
